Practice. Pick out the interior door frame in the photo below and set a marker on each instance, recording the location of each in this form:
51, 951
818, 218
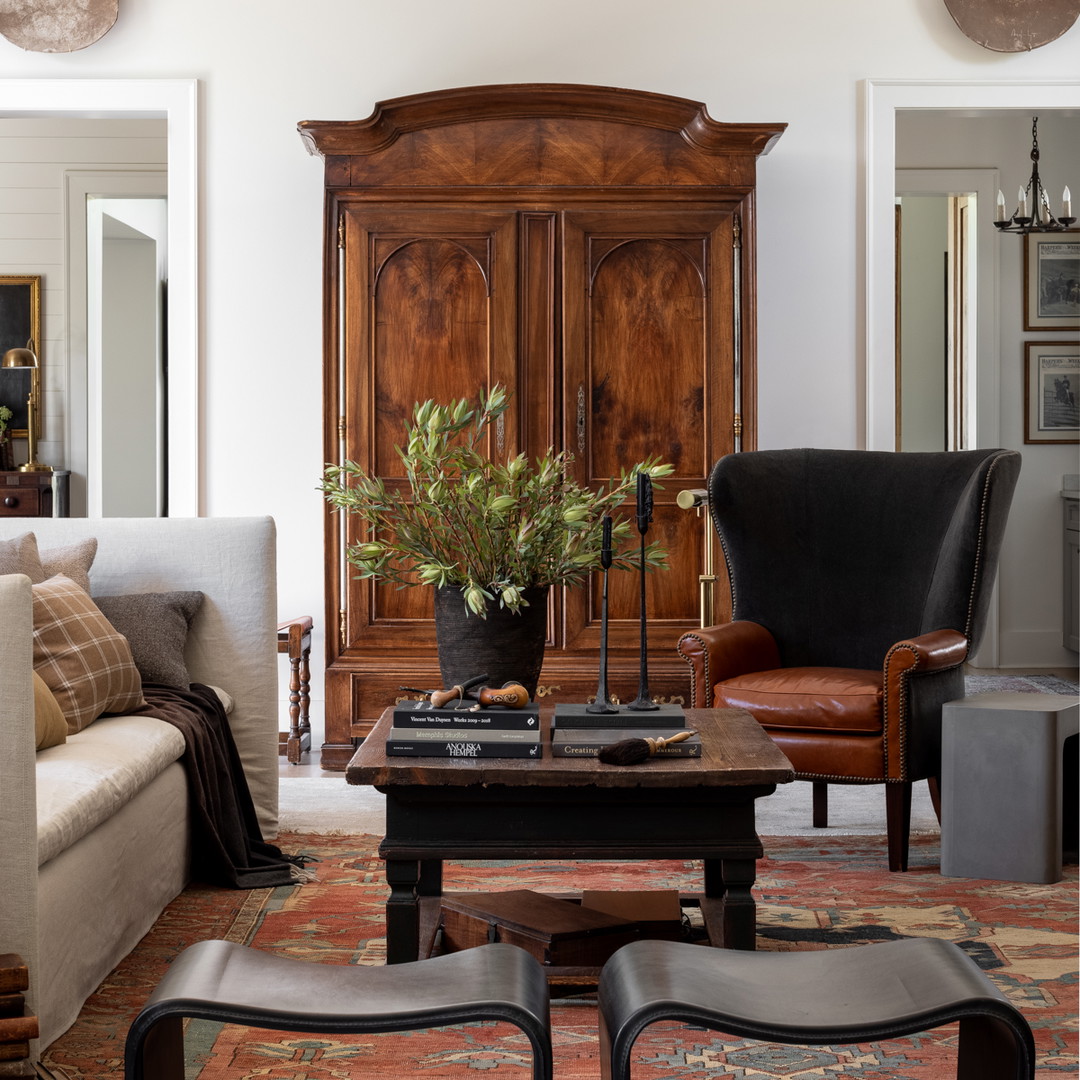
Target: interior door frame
175, 100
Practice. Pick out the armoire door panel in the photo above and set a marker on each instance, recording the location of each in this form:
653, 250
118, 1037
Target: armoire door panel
647, 296
538, 305
431, 324
435, 292
646, 356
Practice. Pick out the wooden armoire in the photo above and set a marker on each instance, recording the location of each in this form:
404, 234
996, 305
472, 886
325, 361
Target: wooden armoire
591, 249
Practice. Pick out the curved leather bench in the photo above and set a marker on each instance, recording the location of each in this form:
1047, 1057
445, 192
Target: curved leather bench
234, 984
820, 998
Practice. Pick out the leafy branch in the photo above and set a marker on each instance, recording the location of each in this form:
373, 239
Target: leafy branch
491, 529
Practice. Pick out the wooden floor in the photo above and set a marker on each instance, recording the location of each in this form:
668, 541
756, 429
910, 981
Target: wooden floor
309, 763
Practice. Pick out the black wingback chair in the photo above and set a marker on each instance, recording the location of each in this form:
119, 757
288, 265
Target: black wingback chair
860, 583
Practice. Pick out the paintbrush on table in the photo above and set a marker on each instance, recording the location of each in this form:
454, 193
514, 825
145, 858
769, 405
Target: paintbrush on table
635, 751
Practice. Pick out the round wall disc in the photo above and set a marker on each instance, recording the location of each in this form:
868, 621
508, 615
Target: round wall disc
56, 26
1013, 25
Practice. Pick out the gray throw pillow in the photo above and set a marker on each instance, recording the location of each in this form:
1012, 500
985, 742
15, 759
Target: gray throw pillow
156, 626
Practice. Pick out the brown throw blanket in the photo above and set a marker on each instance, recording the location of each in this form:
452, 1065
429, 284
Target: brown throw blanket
227, 844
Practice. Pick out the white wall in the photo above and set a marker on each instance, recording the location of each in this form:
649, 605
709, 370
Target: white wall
774, 60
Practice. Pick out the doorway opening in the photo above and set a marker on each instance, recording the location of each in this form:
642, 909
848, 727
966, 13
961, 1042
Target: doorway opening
936, 321
127, 371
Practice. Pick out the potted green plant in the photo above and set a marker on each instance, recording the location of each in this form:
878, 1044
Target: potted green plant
7, 460
490, 537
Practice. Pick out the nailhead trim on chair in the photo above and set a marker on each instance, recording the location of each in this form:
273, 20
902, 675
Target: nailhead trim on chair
979, 545
690, 664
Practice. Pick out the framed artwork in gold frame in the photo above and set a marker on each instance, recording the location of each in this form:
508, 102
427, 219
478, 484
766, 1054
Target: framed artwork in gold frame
20, 322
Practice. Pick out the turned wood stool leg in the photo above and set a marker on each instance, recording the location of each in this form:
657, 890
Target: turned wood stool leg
294, 638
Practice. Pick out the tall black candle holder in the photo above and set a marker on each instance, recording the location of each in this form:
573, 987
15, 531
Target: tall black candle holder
603, 703
643, 702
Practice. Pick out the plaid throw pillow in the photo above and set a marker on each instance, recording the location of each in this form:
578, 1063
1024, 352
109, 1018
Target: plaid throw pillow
84, 661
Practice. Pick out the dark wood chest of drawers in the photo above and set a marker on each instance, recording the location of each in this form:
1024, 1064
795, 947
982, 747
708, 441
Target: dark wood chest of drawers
34, 494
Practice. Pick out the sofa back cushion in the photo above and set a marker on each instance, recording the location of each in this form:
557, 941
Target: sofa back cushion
84, 661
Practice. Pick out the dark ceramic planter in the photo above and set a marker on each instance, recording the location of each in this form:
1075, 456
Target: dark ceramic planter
504, 646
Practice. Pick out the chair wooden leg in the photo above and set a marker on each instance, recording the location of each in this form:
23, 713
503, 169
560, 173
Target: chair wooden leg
898, 823
821, 804
934, 784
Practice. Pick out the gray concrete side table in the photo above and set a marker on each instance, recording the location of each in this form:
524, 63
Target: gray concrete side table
1004, 775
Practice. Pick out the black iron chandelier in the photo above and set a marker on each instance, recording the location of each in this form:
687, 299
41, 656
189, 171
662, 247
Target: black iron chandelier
1032, 212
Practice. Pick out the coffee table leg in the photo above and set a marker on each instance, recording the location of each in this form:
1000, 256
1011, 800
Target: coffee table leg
402, 911
729, 896
430, 877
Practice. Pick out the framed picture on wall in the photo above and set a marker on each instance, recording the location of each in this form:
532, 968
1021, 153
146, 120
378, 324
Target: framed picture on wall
20, 322
1051, 386
1052, 281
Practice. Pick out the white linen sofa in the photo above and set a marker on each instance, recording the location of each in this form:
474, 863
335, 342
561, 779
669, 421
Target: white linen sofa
95, 831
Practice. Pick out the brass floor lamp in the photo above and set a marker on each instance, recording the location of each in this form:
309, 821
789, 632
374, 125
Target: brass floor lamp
698, 499
27, 358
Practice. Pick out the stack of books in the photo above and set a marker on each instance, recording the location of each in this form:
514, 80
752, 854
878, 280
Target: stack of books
468, 731
16, 1027
577, 733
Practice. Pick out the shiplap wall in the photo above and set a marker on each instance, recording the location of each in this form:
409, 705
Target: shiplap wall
35, 154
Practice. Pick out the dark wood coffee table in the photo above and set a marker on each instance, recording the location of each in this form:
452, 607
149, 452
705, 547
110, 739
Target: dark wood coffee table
567, 808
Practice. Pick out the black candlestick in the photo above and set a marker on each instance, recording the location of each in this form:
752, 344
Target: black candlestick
643, 702
602, 703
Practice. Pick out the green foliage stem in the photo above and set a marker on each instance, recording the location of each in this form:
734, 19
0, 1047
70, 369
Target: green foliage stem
490, 529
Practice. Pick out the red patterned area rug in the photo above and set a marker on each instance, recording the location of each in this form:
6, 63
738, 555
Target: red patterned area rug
810, 896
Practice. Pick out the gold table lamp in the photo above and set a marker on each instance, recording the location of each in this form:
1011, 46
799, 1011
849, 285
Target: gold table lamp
27, 358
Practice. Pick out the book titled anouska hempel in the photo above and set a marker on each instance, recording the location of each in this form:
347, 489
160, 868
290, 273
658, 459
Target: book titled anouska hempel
464, 748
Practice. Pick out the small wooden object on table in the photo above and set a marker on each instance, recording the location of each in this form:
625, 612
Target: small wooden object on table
16, 1028
575, 808
294, 638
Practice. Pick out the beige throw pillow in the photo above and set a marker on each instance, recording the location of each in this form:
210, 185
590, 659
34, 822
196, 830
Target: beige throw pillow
50, 727
20, 556
84, 661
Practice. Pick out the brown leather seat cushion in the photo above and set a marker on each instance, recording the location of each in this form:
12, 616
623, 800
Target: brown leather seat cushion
807, 698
